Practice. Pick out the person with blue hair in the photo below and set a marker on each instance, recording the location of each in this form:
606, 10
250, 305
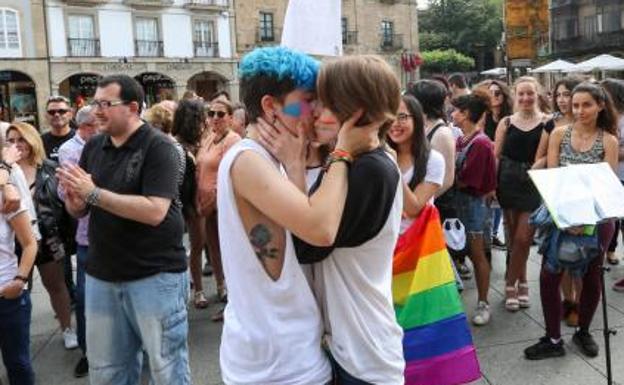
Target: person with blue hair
273, 327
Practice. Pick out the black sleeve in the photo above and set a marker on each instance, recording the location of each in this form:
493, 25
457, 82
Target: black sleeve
373, 181
549, 126
160, 170
84, 162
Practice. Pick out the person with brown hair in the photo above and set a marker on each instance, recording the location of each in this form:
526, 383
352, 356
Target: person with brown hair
352, 275
592, 138
520, 143
49, 260
218, 139
475, 183
160, 117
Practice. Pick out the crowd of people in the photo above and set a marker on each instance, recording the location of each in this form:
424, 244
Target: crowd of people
297, 197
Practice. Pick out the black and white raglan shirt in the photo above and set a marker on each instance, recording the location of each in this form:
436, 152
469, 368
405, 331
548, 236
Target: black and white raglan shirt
352, 279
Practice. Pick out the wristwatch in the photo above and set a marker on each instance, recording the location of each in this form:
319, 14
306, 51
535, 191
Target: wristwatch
93, 197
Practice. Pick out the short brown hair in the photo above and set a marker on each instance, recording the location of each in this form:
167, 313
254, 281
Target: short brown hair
365, 82
159, 117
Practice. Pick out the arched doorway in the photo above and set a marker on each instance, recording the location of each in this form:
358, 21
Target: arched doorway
157, 87
205, 84
79, 88
18, 98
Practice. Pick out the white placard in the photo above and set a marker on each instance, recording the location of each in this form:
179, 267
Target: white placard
313, 27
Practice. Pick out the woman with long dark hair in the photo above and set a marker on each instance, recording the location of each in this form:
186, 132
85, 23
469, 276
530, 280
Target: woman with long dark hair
592, 138
422, 167
188, 128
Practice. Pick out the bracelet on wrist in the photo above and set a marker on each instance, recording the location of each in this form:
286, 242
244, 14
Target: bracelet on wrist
20, 278
334, 159
93, 197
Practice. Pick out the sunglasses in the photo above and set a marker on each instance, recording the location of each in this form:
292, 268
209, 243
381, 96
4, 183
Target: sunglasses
59, 111
220, 114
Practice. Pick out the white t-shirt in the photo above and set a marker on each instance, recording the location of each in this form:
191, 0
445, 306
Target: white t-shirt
8, 259
21, 184
435, 175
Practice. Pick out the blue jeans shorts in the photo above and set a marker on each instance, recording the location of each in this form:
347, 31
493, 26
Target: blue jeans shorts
473, 211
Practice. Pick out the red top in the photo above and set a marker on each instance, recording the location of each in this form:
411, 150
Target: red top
478, 172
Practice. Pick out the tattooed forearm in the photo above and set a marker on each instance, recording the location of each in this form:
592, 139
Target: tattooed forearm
260, 237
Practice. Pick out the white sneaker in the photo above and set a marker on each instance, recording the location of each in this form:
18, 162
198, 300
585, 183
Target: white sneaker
70, 339
482, 314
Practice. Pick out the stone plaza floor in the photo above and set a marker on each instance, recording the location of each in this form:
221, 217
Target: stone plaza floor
500, 344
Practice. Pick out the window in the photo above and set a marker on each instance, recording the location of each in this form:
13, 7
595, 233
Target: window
266, 27
82, 41
589, 26
387, 33
204, 38
344, 30
599, 24
146, 34
9, 33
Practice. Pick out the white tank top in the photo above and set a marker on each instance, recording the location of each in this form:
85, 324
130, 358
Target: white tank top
273, 329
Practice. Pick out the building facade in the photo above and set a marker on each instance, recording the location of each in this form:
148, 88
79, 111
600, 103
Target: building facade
388, 28
526, 31
583, 28
24, 77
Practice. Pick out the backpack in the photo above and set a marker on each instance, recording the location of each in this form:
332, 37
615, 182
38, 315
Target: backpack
54, 222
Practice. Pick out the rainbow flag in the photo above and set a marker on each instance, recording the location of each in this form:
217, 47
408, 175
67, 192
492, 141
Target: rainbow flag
437, 343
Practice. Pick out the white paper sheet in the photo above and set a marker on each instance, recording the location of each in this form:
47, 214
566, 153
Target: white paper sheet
584, 194
313, 27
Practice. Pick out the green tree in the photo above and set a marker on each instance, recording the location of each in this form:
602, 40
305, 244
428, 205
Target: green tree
445, 61
468, 26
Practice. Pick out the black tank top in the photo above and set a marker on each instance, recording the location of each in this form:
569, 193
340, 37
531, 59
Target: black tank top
521, 146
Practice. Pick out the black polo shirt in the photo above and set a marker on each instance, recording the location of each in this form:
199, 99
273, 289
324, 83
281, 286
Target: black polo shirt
122, 249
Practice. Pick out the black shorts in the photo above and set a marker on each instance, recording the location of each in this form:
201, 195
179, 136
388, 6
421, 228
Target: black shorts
515, 189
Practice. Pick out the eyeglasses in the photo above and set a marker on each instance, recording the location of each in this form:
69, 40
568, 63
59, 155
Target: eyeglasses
220, 114
105, 104
496, 93
402, 118
60, 111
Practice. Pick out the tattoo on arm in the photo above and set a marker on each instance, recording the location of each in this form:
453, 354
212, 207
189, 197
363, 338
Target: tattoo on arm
260, 237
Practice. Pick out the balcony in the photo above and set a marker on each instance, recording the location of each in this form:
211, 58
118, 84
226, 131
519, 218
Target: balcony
83, 47
391, 42
85, 2
149, 3
350, 38
268, 36
589, 44
216, 5
206, 49
389, 2
148, 48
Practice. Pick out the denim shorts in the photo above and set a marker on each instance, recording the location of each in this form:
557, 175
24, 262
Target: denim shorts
473, 212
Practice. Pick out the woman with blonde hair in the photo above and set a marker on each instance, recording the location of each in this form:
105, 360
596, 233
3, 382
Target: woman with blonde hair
519, 143
40, 175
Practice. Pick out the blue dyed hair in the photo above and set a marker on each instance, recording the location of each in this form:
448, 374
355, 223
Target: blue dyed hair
282, 63
274, 71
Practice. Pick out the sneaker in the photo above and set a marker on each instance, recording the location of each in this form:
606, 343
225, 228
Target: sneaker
482, 314
619, 286
82, 368
545, 348
70, 339
464, 271
586, 343
496, 242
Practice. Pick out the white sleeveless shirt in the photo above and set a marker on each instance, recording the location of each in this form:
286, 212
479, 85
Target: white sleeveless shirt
272, 329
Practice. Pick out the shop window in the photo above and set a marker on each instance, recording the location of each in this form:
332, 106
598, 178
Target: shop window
266, 27
9, 33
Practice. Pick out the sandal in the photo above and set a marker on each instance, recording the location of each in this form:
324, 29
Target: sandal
523, 295
199, 300
612, 259
511, 299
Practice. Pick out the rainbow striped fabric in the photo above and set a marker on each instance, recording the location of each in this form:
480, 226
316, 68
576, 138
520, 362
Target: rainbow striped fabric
437, 343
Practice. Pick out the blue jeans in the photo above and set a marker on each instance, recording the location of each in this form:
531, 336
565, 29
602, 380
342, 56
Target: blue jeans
474, 213
15, 339
125, 319
81, 258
